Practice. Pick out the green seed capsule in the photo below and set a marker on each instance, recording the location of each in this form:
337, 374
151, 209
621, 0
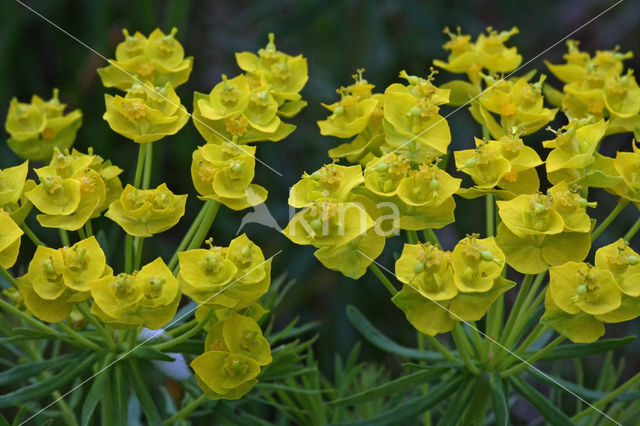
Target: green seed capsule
632, 260
486, 255
316, 225
581, 290
418, 267
434, 184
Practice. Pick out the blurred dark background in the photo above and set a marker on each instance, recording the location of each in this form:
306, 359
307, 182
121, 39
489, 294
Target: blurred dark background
337, 37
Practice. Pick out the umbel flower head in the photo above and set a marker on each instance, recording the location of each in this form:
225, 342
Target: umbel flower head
598, 86
538, 231
148, 297
284, 74
224, 173
236, 111
143, 213
10, 236
488, 52
235, 349
441, 288
506, 163
38, 127
158, 59
231, 277
146, 113
58, 278
74, 188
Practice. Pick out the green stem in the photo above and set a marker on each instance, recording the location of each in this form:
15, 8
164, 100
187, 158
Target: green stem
477, 340
137, 180
180, 329
79, 338
607, 221
383, 279
7, 276
538, 331
137, 250
441, 348
64, 238
29, 233
82, 234
464, 348
128, 254
188, 236
186, 410
205, 225
633, 231
489, 210
431, 237
84, 310
170, 343
88, 228
610, 397
148, 160
412, 237
533, 358
27, 318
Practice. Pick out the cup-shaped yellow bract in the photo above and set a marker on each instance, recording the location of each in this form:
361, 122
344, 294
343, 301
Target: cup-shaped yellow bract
40, 126
231, 277
506, 163
477, 262
428, 186
518, 104
285, 74
148, 297
487, 52
627, 166
146, 113
74, 188
578, 300
538, 231
434, 297
349, 116
158, 59
235, 349
143, 213
12, 180
330, 181
574, 150
224, 173
58, 278
235, 111
383, 175
10, 236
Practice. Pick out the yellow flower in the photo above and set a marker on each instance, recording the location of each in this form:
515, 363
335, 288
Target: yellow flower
428, 270
142, 213
148, 297
158, 59
627, 167
476, 263
146, 113
10, 236
221, 277
577, 298
428, 186
224, 173
74, 188
40, 126
12, 180
518, 103
331, 181
349, 116
285, 74
573, 150
353, 257
58, 278
383, 175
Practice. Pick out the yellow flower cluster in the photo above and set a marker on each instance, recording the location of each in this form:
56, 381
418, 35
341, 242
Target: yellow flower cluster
231, 277
148, 297
143, 213
58, 278
224, 172
73, 188
40, 126
235, 349
441, 287
538, 231
158, 59
488, 53
581, 297
405, 120
242, 110
598, 86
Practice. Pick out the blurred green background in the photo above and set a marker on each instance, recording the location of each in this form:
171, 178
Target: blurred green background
337, 37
